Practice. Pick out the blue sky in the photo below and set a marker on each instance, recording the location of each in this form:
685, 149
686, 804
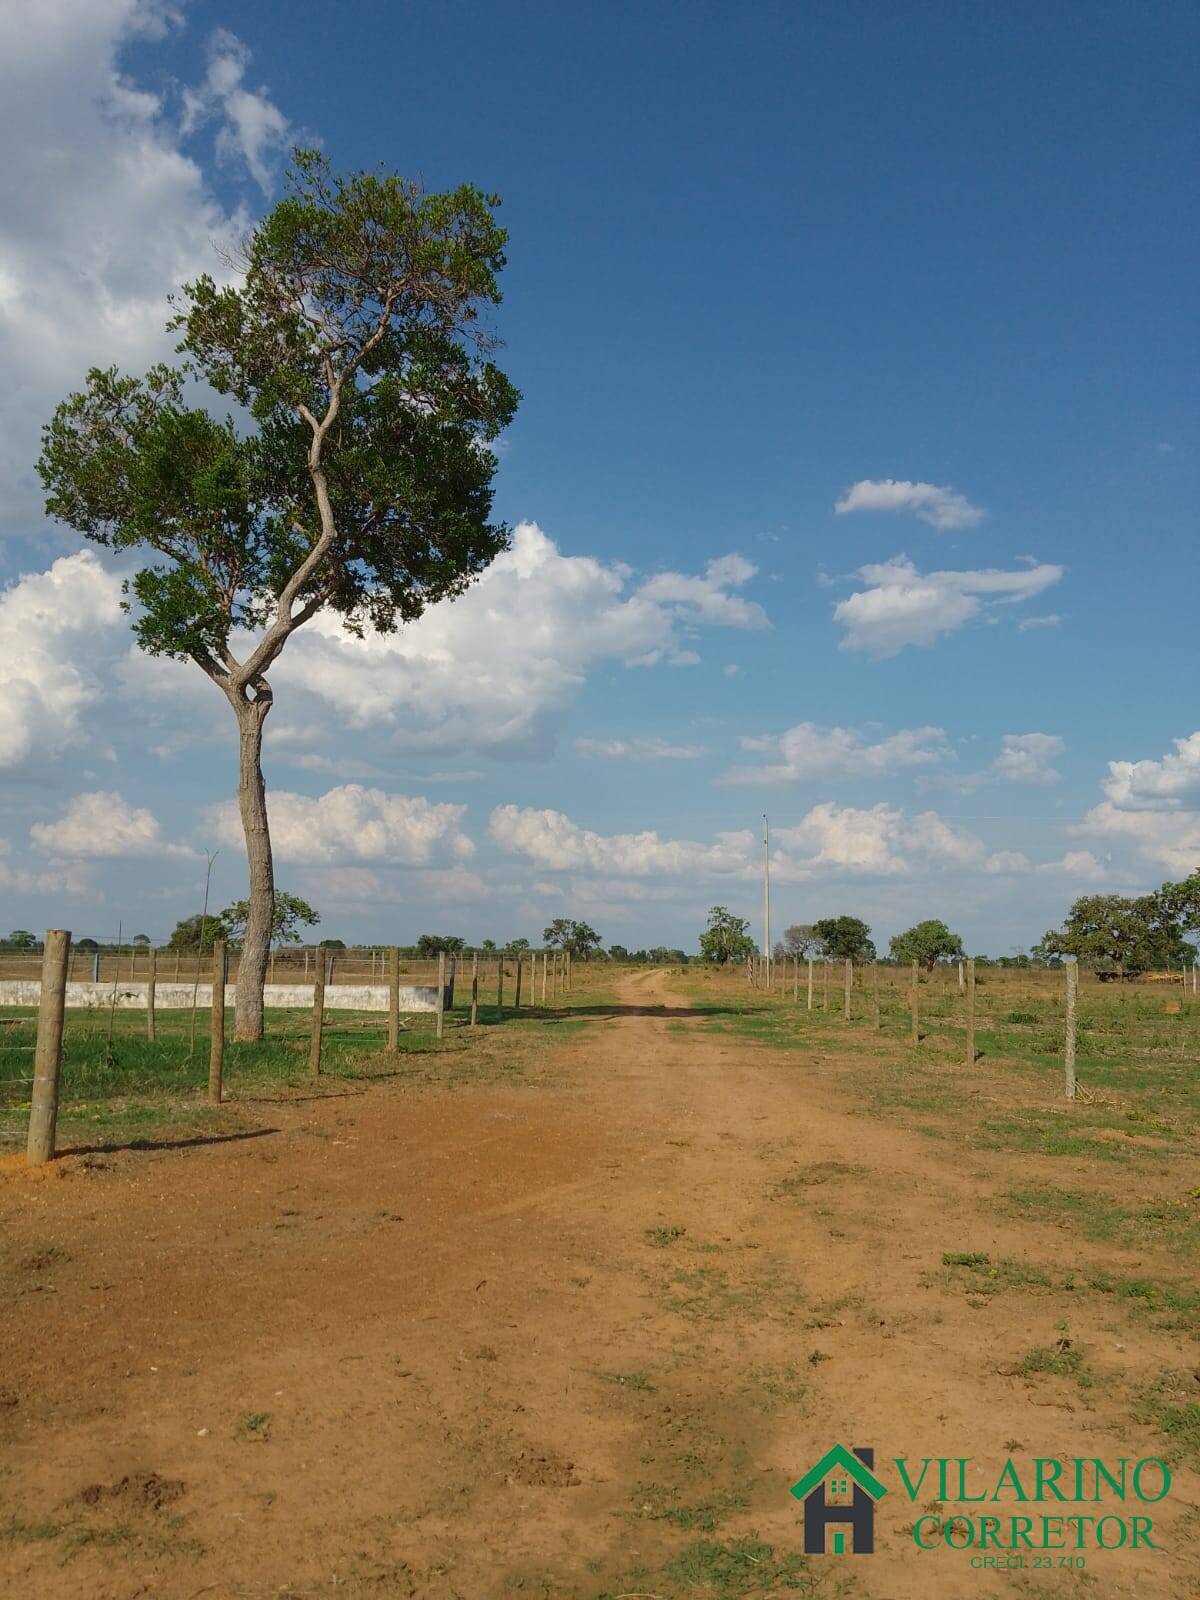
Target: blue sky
932, 263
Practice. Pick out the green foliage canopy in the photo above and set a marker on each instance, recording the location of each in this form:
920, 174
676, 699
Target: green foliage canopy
927, 943
565, 933
726, 938
845, 939
289, 916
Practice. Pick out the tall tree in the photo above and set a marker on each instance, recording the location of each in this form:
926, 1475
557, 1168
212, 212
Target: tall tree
800, 940
1122, 934
432, 944
356, 480
565, 933
726, 938
845, 938
927, 943
289, 916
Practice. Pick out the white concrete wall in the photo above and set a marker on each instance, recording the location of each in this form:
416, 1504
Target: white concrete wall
175, 996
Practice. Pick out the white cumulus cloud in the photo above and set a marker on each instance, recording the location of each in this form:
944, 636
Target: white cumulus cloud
552, 840
945, 509
901, 606
104, 825
52, 628
1165, 784
1154, 807
102, 211
640, 749
494, 668
1029, 757
829, 841
352, 824
252, 128
808, 753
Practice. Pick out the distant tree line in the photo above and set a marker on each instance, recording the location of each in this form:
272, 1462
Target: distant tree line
1113, 935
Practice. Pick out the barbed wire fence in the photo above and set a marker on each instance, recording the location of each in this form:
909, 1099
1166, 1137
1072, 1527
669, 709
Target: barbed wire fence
313, 994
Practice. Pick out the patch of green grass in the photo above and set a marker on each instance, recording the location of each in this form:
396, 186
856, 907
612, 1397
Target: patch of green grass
1168, 1222
1059, 1360
1051, 1133
988, 1276
1171, 1307
737, 1567
703, 1517
82, 1537
30, 1532
663, 1236
637, 1381
1169, 1406
708, 1293
781, 1383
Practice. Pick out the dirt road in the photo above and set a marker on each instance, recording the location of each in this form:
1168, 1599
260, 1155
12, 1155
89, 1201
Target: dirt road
569, 1336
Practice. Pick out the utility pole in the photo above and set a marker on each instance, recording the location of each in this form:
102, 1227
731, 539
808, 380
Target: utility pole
767, 898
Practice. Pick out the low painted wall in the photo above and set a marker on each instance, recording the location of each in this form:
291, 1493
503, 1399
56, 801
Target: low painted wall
176, 996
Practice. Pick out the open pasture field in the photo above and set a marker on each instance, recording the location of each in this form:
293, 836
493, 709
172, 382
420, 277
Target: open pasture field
562, 1306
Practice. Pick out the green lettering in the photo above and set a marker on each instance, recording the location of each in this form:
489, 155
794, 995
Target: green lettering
1055, 1524
1115, 1522
1151, 1461
1020, 1532
1011, 1476
1103, 1472
917, 1539
1079, 1524
989, 1532
1141, 1533
963, 1463
912, 1489
1049, 1472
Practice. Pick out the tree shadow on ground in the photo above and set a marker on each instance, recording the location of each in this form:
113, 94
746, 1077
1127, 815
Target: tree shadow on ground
539, 1013
167, 1144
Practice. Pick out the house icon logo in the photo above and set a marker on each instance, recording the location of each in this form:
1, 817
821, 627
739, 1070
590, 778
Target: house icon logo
841, 1488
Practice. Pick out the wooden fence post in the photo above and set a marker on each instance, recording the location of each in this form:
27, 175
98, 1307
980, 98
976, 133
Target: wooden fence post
216, 1042
47, 1059
517, 983
1069, 1042
810, 983
500, 984
545, 964
825, 984
849, 986
318, 1017
151, 983
474, 989
971, 1011
875, 993
394, 998
914, 1003
441, 992
960, 977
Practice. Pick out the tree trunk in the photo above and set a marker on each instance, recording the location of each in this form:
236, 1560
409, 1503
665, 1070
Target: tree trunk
252, 803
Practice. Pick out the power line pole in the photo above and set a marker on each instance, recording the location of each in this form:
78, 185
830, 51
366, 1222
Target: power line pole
767, 898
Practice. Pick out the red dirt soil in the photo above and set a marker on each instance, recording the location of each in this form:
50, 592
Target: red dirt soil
428, 1343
